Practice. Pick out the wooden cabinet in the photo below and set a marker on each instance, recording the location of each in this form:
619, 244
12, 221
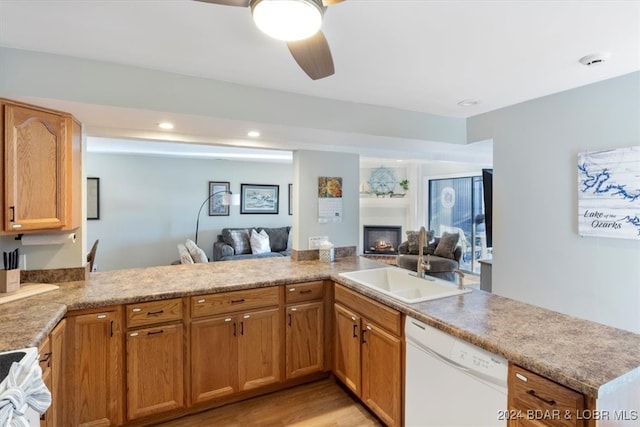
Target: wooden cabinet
51, 363
45, 355
535, 401
236, 342
155, 358
368, 354
305, 328
93, 391
41, 169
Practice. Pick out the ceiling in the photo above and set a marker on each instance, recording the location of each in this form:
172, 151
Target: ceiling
418, 56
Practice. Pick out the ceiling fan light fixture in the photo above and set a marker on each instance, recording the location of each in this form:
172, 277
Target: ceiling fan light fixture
287, 20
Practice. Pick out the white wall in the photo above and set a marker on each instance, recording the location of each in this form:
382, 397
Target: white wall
149, 204
307, 167
538, 256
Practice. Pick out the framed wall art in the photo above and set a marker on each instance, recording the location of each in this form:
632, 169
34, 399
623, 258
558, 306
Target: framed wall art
93, 198
290, 199
217, 191
259, 199
609, 193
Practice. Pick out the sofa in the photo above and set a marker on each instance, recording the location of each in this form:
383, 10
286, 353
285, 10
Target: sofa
245, 243
444, 254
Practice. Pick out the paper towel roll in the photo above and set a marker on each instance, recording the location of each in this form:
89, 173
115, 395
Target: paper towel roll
48, 239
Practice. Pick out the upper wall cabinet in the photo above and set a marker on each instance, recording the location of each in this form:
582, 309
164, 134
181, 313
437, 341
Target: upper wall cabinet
41, 169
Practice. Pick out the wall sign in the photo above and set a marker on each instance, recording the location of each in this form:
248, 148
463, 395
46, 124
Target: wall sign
609, 193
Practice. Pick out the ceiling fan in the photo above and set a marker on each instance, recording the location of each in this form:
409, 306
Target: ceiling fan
298, 23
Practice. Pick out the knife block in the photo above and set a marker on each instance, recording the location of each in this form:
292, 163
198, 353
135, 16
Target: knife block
9, 280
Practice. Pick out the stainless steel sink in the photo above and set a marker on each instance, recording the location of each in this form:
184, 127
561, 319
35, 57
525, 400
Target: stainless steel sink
403, 285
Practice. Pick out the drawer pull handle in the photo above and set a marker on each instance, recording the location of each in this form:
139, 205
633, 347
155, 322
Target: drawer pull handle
292, 289
133, 334
306, 291
200, 301
228, 319
161, 331
237, 301
102, 316
155, 313
549, 402
136, 310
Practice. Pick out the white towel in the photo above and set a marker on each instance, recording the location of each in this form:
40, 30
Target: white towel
23, 387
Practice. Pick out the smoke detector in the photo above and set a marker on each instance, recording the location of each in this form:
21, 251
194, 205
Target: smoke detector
594, 59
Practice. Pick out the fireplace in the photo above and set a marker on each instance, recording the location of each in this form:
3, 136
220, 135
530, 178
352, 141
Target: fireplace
382, 239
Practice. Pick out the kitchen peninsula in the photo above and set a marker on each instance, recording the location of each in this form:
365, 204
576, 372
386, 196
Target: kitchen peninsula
589, 358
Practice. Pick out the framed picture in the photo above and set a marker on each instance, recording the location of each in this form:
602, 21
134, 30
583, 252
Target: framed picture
93, 198
217, 191
290, 199
259, 199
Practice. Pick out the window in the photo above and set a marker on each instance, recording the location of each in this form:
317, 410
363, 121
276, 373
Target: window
456, 205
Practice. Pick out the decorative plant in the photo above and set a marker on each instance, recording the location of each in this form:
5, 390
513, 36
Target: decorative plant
404, 184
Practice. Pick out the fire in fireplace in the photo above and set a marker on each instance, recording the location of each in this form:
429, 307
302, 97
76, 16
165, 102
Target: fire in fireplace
382, 239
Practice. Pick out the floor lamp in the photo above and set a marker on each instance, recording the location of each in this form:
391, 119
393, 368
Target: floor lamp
229, 199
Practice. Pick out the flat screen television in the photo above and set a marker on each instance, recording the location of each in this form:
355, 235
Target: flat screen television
487, 189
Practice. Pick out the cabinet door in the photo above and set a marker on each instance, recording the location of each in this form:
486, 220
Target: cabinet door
95, 390
44, 359
259, 348
36, 181
155, 379
58, 374
214, 358
381, 373
346, 356
305, 339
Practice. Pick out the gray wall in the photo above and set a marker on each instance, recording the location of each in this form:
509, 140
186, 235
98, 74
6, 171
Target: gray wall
149, 204
538, 256
307, 167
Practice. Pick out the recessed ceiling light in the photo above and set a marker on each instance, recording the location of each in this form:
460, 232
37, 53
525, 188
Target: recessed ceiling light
594, 59
468, 102
253, 133
165, 125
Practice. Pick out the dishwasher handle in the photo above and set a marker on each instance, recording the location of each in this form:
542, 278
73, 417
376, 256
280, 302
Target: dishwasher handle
438, 356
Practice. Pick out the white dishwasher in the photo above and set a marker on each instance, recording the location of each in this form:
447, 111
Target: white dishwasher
450, 382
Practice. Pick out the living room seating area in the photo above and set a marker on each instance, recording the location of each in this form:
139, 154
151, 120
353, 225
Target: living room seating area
252, 242
442, 254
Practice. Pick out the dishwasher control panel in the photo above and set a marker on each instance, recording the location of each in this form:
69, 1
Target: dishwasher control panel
481, 361
456, 351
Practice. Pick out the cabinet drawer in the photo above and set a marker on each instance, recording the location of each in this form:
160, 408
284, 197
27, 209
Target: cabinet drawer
543, 399
384, 316
226, 302
149, 313
304, 292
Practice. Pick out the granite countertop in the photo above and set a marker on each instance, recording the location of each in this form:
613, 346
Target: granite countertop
585, 356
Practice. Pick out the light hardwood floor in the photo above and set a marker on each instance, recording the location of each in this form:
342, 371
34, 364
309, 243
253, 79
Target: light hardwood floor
319, 404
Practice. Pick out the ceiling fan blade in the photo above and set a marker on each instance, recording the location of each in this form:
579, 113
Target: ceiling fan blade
313, 56
239, 3
331, 2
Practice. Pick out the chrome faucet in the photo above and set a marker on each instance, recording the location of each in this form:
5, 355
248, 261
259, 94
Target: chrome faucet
422, 266
460, 278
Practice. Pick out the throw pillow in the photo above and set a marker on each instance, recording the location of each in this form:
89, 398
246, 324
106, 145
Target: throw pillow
447, 245
238, 239
197, 254
259, 242
185, 258
413, 237
277, 237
